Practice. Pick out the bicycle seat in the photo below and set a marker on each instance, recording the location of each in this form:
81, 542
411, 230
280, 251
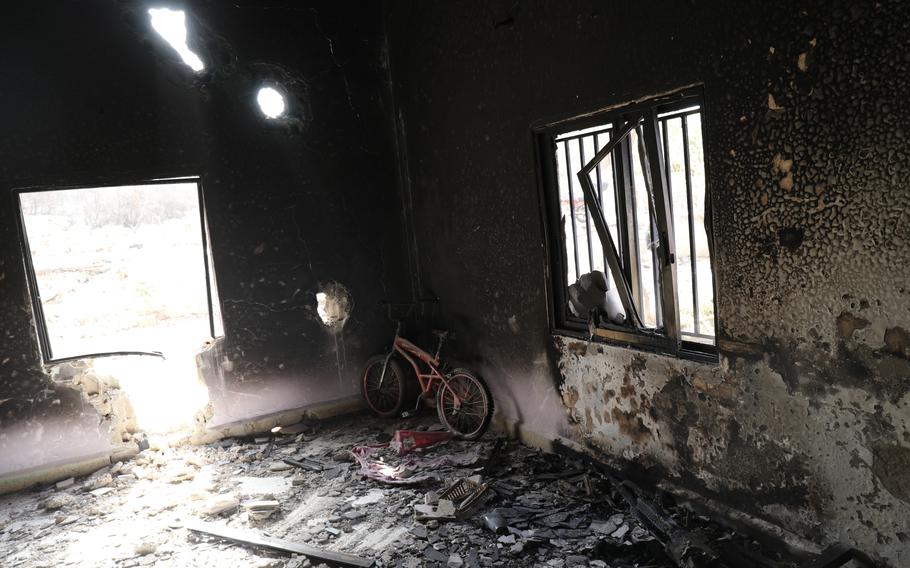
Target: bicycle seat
441, 333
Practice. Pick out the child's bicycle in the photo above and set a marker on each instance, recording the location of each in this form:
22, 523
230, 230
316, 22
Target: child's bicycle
462, 399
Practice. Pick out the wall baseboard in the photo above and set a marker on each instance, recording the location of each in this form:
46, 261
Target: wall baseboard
51, 473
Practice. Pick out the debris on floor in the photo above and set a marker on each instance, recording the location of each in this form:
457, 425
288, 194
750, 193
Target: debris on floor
490, 503
411, 470
247, 537
407, 441
465, 495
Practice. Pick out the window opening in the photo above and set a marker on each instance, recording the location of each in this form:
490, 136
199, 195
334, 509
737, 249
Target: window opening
632, 213
123, 269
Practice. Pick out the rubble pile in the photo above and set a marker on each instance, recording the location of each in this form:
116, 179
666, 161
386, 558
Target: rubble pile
338, 488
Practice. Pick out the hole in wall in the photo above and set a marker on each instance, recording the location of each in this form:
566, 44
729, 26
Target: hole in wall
271, 102
171, 25
334, 305
122, 269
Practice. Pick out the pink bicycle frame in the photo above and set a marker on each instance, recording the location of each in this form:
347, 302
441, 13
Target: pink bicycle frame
426, 380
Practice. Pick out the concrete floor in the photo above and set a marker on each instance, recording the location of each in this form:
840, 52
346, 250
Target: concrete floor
133, 513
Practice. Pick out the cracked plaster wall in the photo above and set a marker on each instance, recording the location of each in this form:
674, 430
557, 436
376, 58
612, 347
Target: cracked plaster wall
91, 94
805, 419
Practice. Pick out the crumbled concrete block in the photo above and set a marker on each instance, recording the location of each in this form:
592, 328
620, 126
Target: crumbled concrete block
103, 480
620, 532
603, 527
219, 505
64, 520
55, 502
181, 474
445, 508
260, 510
195, 461
342, 456
89, 383
145, 548
354, 514
66, 483
372, 497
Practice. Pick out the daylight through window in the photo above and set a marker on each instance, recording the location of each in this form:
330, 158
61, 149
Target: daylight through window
645, 170
119, 269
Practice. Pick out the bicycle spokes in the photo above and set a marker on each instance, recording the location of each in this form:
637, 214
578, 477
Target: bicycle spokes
382, 387
464, 403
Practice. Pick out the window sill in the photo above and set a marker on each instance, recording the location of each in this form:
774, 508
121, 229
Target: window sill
652, 343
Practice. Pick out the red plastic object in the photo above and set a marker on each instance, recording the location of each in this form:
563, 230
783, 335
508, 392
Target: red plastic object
406, 441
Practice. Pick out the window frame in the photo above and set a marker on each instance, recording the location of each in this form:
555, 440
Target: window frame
545, 137
40, 322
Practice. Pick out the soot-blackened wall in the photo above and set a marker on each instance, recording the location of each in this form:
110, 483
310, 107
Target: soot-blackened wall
91, 95
805, 419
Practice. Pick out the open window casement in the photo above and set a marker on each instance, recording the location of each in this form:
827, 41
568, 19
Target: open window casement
644, 128
627, 212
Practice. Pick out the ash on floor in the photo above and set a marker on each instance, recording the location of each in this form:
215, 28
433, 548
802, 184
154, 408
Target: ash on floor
538, 509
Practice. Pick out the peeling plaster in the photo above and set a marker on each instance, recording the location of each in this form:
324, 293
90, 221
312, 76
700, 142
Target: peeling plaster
813, 463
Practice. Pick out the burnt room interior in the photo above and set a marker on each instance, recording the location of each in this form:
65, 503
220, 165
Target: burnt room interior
460, 283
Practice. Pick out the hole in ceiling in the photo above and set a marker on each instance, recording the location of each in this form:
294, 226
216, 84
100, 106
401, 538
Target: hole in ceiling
271, 102
334, 305
171, 25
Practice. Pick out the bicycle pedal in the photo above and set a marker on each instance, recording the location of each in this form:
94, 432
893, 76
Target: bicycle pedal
408, 414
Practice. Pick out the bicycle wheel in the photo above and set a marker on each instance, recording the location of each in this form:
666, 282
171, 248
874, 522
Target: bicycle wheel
390, 394
465, 406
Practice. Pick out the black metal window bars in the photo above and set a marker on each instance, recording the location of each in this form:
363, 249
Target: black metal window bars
612, 170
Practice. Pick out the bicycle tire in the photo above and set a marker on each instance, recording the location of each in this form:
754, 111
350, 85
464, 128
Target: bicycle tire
397, 393
477, 422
